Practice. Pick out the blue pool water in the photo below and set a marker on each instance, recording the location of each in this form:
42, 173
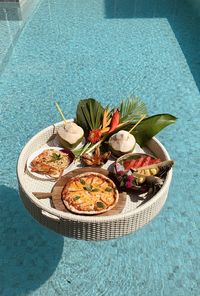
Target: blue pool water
106, 49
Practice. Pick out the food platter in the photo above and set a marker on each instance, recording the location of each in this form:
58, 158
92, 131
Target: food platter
95, 212
133, 216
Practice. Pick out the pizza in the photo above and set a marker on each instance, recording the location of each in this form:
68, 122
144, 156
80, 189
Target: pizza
50, 162
89, 194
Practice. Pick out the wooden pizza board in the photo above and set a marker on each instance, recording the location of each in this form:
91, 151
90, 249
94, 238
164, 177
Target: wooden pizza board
58, 187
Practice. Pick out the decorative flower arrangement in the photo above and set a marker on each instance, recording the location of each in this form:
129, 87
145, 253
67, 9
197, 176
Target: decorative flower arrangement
99, 123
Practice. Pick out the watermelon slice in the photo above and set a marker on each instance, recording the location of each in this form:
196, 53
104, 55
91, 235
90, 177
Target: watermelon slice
140, 162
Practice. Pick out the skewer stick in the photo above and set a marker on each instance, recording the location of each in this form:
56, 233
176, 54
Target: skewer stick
61, 113
137, 123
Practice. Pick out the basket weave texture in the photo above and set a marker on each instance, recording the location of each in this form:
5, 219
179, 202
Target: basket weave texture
84, 227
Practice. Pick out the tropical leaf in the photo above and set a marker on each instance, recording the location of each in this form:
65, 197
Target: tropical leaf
80, 151
151, 126
89, 114
131, 109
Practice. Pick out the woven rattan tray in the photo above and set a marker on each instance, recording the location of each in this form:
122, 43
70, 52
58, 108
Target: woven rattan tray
135, 214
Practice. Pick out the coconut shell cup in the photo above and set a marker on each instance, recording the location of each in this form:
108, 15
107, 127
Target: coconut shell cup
117, 153
121, 141
62, 138
66, 144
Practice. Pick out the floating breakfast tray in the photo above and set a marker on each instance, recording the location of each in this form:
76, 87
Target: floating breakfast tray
131, 213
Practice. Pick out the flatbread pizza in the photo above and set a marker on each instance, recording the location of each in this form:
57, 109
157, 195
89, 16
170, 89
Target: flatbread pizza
90, 194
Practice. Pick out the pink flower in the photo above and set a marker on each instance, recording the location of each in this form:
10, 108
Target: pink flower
120, 172
128, 184
130, 178
129, 181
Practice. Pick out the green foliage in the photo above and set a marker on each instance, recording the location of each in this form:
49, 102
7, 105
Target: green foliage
151, 126
89, 114
131, 109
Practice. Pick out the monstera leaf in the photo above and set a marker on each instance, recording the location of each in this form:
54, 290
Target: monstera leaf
89, 114
151, 126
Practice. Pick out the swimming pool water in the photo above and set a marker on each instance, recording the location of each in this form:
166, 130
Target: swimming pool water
106, 49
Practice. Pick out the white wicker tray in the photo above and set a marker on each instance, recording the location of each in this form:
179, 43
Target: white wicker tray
134, 215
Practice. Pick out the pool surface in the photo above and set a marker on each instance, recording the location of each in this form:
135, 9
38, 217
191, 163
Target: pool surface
106, 49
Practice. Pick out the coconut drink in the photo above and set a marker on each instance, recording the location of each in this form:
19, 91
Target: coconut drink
121, 143
70, 135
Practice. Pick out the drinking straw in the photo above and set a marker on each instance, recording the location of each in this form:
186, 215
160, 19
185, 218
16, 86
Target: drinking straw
61, 113
137, 123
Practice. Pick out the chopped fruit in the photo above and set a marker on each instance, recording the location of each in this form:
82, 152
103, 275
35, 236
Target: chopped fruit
140, 162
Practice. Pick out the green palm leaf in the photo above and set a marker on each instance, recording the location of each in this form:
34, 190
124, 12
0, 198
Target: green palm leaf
89, 114
132, 109
151, 126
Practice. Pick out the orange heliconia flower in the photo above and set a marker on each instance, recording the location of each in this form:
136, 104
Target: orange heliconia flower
106, 122
114, 121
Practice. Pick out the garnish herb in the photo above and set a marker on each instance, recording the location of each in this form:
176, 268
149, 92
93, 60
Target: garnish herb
82, 181
56, 156
100, 205
76, 197
108, 189
88, 188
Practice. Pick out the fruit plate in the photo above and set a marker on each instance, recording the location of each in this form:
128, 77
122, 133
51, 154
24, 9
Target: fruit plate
137, 210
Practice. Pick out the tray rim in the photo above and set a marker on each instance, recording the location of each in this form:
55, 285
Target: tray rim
89, 219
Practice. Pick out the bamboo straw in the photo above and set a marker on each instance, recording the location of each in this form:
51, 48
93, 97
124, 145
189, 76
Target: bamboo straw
61, 113
137, 123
